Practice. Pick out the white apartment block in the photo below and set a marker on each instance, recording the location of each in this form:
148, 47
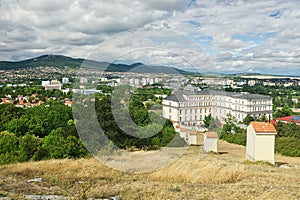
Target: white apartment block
187, 107
190, 108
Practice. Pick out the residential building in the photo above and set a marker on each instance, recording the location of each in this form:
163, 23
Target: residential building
54, 85
187, 107
65, 80
289, 119
45, 83
190, 108
240, 105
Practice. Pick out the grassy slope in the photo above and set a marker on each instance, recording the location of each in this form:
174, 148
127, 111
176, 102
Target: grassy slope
194, 176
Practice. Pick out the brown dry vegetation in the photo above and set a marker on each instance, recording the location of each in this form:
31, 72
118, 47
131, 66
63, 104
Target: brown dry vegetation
194, 176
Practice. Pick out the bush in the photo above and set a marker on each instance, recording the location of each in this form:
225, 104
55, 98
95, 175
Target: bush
288, 146
8, 147
60, 146
238, 138
30, 147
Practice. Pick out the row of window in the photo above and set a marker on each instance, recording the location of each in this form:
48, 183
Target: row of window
191, 111
195, 104
191, 118
199, 98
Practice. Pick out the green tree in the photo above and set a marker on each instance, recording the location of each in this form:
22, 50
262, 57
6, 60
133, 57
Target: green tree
18, 126
8, 147
30, 147
248, 119
54, 143
285, 111
8, 113
207, 120
61, 146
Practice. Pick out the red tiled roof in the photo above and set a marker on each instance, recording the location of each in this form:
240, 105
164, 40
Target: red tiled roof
182, 130
192, 132
211, 134
263, 127
288, 119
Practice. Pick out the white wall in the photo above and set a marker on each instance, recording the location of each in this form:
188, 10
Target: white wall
210, 144
260, 146
264, 148
250, 144
192, 139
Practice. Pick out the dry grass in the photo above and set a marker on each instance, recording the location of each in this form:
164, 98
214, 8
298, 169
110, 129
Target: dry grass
194, 176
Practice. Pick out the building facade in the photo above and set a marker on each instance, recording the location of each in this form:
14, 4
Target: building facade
190, 108
240, 105
187, 107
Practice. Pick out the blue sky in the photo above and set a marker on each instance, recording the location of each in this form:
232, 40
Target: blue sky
209, 35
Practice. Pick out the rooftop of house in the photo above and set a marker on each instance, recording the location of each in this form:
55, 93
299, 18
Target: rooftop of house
211, 134
295, 119
191, 132
263, 127
182, 129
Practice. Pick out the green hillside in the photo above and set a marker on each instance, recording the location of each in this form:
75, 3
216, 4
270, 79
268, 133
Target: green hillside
61, 61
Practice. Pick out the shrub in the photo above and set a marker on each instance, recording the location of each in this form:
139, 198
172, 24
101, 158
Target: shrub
8, 147
60, 146
288, 146
29, 146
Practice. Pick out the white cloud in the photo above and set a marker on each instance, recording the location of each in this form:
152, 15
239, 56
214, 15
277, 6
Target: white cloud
242, 34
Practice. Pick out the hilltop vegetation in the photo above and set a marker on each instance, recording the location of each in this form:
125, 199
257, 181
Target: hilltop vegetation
38, 133
48, 131
61, 61
193, 176
45, 60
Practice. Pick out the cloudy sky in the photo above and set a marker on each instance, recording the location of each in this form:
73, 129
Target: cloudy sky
209, 35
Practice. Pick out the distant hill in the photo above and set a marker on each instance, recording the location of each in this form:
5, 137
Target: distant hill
61, 61
44, 60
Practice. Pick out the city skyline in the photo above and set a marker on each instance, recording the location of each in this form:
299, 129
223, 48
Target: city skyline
220, 36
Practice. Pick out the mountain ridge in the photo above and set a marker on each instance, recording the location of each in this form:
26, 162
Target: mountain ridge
60, 61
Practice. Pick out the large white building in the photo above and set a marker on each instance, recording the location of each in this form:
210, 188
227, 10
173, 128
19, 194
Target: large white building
187, 107
190, 108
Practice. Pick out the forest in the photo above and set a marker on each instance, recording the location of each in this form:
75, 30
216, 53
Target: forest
49, 131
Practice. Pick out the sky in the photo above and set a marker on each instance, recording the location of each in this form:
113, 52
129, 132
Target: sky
226, 36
